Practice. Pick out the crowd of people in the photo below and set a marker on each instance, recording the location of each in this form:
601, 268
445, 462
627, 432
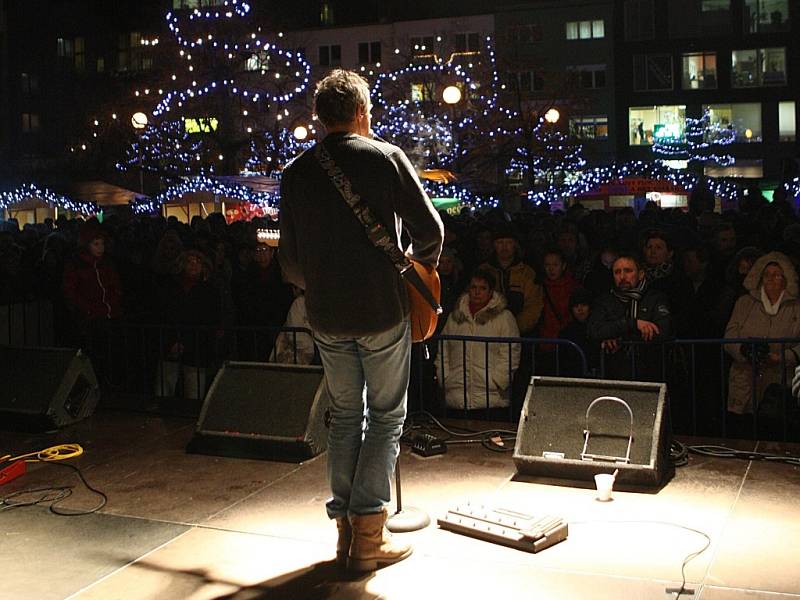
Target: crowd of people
609, 283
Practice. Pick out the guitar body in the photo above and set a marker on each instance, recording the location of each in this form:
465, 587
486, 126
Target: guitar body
423, 316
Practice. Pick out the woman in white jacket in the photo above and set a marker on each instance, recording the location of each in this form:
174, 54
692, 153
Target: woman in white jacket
480, 312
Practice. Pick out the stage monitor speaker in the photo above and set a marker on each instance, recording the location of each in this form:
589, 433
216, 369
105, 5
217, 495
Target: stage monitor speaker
576, 428
263, 410
45, 388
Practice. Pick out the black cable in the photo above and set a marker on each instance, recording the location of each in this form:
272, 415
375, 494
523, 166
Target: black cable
63, 492
485, 437
678, 454
725, 452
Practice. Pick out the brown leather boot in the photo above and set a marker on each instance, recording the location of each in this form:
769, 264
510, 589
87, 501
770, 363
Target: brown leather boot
372, 546
343, 543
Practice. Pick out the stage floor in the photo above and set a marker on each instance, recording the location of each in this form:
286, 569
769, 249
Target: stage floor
185, 526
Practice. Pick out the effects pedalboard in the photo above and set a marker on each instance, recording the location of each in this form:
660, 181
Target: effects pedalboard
426, 444
502, 526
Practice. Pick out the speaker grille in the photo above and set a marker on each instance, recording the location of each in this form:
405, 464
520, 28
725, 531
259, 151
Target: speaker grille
550, 436
250, 399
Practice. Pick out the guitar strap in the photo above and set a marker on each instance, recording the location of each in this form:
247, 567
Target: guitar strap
376, 232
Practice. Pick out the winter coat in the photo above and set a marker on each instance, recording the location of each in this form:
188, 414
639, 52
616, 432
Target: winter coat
749, 319
295, 347
555, 312
192, 318
493, 320
524, 296
609, 319
92, 288
351, 286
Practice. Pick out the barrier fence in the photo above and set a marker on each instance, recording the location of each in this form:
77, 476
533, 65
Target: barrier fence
476, 377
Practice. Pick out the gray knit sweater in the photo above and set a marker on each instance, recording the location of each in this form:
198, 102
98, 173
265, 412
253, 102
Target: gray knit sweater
352, 288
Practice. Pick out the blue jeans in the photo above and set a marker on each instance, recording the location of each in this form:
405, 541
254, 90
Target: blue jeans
363, 444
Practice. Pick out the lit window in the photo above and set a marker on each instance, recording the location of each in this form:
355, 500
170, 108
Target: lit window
700, 71
422, 92
765, 16
758, 67
787, 129
744, 118
648, 123
589, 127
585, 30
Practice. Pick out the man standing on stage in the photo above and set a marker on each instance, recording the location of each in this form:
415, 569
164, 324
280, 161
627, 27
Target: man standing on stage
357, 306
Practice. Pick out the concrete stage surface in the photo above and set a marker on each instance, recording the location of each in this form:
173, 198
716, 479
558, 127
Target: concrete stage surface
190, 527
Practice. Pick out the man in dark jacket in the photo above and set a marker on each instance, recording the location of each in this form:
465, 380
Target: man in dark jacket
357, 304
630, 312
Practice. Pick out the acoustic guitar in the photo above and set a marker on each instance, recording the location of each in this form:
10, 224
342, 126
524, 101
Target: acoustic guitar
424, 294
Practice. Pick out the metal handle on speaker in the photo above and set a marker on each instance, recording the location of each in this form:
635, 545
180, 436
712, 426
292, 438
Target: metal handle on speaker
586, 433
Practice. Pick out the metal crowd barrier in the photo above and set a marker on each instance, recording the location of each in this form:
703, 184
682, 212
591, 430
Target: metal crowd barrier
134, 363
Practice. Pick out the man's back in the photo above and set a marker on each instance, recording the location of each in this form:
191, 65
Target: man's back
351, 286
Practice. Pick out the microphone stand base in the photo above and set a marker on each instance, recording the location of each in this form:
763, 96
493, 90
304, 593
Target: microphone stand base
407, 519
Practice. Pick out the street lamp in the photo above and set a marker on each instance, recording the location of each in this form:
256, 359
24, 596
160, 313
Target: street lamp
139, 122
451, 95
552, 116
300, 133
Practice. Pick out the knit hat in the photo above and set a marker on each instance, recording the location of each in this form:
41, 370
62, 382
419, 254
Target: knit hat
90, 230
580, 296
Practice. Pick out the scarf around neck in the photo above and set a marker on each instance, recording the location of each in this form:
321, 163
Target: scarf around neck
631, 297
769, 307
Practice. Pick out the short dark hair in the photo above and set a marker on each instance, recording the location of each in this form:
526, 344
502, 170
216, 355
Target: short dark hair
339, 96
487, 276
635, 258
658, 234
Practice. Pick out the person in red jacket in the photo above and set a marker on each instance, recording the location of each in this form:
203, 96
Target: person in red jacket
557, 288
93, 294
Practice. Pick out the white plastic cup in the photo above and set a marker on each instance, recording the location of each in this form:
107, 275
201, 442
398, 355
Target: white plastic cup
604, 483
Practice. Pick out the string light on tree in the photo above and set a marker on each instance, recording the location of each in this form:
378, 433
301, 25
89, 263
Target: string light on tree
266, 201
589, 180
29, 190
701, 137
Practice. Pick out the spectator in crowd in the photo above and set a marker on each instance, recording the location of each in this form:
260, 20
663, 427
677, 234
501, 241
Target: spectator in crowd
573, 248
262, 303
600, 279
295, 347
515, 279
450, 274
577, 332
703, 296
93, 295
15, 282
770, 309
733, 287
630, 312
557, 287
168, 250
192, 318
481, 311
664, 272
